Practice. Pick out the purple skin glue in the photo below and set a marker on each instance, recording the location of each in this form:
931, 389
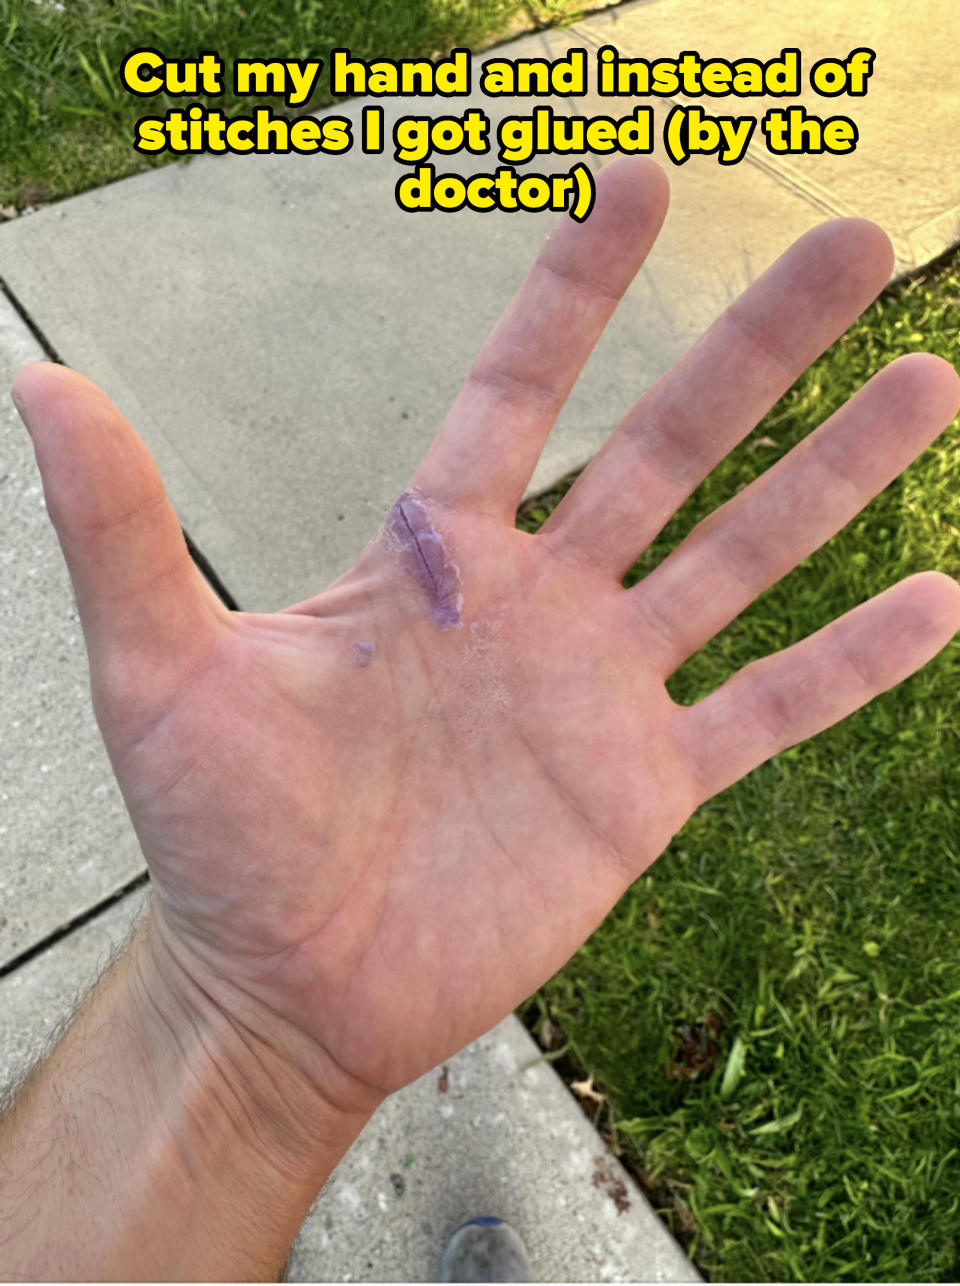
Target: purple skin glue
423, 556
362, 652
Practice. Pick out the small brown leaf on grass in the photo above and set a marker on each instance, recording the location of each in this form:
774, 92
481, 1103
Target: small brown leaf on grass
607, 1180
684, 1216
696, 1052
587, 1090
34, 194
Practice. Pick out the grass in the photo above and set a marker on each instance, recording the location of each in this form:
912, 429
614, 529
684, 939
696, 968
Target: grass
804, 923
66, 123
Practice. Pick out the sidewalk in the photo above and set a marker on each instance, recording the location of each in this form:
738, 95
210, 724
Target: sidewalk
255, 317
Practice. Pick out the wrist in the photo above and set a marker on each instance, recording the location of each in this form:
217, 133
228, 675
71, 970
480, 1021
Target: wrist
235, 1135
161, 1140
253, 1083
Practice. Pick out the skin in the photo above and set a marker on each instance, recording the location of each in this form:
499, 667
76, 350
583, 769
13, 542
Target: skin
358, 869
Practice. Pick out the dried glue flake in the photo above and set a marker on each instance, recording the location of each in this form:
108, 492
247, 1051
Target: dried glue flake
423, 556
362, 653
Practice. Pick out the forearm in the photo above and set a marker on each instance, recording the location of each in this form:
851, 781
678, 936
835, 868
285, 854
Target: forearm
160, 1141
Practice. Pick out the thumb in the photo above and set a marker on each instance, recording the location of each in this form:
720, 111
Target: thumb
138, 590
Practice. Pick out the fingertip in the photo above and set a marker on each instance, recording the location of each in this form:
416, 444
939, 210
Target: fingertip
853, 249
39, 387
934, 373
24, 384
934, 601
920, 387
864, 240
55, 401
871, 240
608, 248
938, 586
632, 198
34, 378
638, 181
642, 171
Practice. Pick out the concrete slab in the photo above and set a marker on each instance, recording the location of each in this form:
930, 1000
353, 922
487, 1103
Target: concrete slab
905, 172
504, 1137
65, 839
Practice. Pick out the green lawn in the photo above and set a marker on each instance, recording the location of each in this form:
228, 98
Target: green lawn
812, 909
66, 123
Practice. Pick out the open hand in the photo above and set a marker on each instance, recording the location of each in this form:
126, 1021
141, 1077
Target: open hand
377, 820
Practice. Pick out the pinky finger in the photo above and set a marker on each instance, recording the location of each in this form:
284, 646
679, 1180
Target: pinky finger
785, 698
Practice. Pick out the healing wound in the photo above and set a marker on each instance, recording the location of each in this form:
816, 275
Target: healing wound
423, 556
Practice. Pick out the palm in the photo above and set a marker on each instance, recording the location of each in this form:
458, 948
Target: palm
501, 794
387, 814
